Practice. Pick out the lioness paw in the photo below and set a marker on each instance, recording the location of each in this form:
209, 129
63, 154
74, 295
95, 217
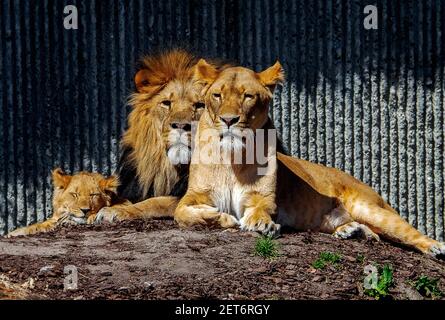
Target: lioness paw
260, 222
355, 230
201, 214
438, 250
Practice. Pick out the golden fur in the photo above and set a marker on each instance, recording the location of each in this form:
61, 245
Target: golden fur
167, 100
227, 192
76, 199
298, 194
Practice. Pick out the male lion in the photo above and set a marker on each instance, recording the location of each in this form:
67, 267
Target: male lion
153, 168
76, 200
307, 195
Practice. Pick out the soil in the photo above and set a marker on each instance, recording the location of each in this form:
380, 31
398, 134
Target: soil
157, 260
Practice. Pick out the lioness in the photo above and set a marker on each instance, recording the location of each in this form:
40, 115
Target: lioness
76, 199
307, 195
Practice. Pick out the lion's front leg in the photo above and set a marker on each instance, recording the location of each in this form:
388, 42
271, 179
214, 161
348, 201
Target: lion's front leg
258, 214
159, 207
196, 209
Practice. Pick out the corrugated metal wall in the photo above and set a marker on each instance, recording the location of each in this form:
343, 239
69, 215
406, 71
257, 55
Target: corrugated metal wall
370, 102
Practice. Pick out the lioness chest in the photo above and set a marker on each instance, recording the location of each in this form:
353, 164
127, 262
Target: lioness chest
229, 190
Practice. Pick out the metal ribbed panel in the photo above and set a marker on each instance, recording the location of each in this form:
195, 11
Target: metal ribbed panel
370, 102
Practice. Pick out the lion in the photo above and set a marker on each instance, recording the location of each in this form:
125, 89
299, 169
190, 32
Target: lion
76, 200
293, 193
156, 150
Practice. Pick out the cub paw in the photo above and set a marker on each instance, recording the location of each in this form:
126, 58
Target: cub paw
438, 250
259, 222
355, 230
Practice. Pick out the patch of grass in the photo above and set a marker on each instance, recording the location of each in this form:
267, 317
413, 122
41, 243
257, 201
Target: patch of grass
360, 258
385, 281
266, 247
326, 258
428, 287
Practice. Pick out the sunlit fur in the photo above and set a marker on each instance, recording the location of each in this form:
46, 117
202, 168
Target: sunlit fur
159, 149
85, 191
150, 135
231, 193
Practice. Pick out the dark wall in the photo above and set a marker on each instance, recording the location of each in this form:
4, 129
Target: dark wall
370, 102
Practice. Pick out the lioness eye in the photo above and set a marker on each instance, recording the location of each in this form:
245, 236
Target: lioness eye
199, 105
75, 195
217, 95
248, 96
166, 103
94, 195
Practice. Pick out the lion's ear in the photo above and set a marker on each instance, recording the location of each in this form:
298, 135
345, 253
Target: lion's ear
109, 184
204, 71
141, 81
61, 180
272, 75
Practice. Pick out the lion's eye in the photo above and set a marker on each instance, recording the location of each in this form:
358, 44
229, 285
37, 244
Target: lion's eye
166, 103
199, 105
217, 96
94, 195
248, 96
75, 195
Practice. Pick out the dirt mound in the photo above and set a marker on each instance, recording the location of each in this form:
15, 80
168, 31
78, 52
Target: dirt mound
156, 260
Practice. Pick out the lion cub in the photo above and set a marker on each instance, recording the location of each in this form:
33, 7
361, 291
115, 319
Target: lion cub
232, 178
76, 200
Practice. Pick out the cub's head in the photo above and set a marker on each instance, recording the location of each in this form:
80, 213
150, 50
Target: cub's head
238, 98
82, 194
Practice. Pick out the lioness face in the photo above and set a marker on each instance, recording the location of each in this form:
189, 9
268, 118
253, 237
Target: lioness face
82, 194
238, 99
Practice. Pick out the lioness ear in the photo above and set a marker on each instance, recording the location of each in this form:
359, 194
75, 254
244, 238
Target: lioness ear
141, 81
272, 76
109, 184
205, 72
60, 179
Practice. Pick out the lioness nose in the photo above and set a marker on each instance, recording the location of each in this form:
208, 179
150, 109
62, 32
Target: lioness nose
85, 210
230, 120
183, 126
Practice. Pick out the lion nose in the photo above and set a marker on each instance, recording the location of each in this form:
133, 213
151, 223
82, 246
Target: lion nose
183, 126
85, 210
229, 120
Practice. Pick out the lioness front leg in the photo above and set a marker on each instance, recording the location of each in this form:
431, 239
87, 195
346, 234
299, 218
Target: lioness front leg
258, 214
159, 207
196, 209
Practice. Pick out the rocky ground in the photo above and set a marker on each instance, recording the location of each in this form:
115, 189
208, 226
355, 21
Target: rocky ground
156, 260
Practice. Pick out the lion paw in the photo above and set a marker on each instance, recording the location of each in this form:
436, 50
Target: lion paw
110, 215
261, 223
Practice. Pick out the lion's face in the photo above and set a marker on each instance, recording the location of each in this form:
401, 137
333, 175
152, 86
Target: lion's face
238, 98
82, 194
180, 104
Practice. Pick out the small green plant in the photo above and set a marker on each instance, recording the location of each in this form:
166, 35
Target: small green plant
266, 247
428, 287
360, 258
385, 281
326, 258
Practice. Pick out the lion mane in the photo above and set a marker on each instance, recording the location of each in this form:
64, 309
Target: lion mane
144, 168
